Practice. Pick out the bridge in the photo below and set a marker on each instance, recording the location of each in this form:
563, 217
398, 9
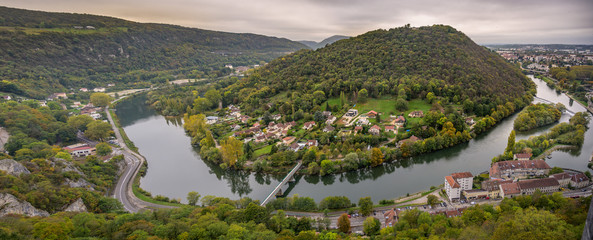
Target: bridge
548, 101
278, 190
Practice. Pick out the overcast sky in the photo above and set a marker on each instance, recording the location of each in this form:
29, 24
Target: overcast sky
493, 21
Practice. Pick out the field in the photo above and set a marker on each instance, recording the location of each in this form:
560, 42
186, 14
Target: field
262, 151
385, 105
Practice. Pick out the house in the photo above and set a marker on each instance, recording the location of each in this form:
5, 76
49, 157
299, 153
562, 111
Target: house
409, 140
519, 169
328, 128
84, 90
288, 140
326, 114
257, 125
375, 130
372, 114
7, 97
95, 116
309, 125
351, 113
475, 194
235, 127
390, 128
545, 185
363, 121
244, 118
391, 217
493, 187
57, 96
357, 129
522, 156
416, 114
469, 121
80, 150
90, 27
111, 85
509, 190
311, 143
330, 120
400, 121
579, 180
99, 89
211, 119
457, 182
276, 117
562, 178
296, 146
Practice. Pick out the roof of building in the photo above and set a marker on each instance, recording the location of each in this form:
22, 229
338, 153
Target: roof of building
518, 164
510, 188
560, 176
475, 191
390, 127
452, 182
579, 177
523, 155
538, 183
462, 175
375, 127
79, 148
493, 184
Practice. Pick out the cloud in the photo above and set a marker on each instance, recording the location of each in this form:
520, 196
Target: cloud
501, 21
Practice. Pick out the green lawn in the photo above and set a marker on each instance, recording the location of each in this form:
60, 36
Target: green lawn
385, 105
262, 151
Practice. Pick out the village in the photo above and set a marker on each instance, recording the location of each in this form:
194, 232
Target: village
507, 179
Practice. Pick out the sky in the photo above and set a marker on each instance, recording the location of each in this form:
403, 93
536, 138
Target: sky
486, 22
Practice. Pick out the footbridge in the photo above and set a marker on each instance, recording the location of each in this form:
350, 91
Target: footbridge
548, 101
278, 190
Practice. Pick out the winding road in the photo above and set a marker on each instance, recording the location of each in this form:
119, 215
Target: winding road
123, 189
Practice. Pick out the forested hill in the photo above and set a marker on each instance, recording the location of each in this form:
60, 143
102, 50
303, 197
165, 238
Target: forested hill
41, 51
436, 59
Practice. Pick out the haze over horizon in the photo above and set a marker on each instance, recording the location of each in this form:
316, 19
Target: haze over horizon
496, 22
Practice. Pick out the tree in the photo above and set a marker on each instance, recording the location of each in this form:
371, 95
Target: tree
401, 104
193, 198
213, 97
363, 95
371, 226
98, 130
511, 142
376, 157
80, 121
232, 150
100, 99
344, 223
63, 155
103, 149
366, 206
202, 104
432, 200
555, 170
430, 97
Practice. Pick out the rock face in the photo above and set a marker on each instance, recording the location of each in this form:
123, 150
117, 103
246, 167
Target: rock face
9, 204
80, 183
65, 166
13, 167
77, 206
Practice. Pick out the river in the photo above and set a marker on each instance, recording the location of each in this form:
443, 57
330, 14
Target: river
175, 168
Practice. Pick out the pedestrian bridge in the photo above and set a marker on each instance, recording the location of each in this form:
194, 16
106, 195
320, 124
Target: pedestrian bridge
278, 190
571, 113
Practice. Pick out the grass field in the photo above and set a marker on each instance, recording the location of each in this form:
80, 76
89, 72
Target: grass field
385, 105
262, 151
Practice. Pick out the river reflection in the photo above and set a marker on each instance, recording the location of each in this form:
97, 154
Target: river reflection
175, 167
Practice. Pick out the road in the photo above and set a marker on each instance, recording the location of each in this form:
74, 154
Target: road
123, 189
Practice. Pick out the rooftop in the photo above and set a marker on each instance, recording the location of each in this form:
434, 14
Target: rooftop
538, 183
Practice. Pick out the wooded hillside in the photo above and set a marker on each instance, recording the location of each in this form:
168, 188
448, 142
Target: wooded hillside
436, 59
42, 52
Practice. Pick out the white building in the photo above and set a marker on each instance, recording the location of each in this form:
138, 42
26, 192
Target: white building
457, 182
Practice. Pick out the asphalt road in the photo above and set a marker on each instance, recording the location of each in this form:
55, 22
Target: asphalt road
123, 189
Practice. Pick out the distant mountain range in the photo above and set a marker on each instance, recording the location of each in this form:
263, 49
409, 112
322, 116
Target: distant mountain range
315, 45
43, 52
